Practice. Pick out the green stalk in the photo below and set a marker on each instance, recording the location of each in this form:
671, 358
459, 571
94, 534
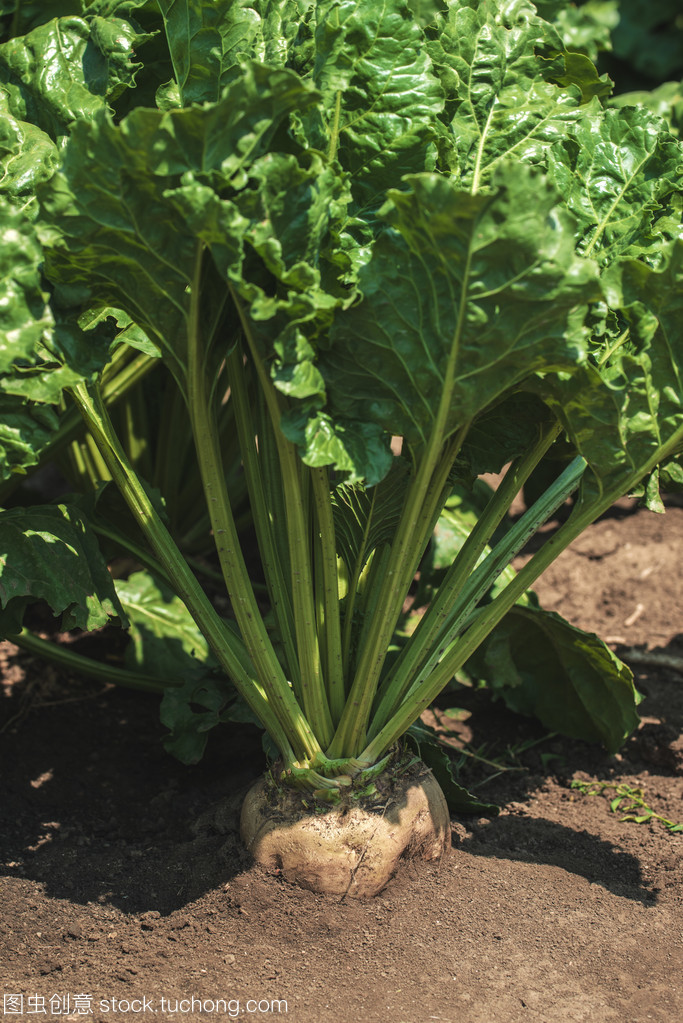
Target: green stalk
172, 446
480, 581
98, 470
88, 667
361, 565
314, 696
433, 621
425, 494
485, 621
275, 581
140, 554
227, 647
331, 623
244, 604
272, 481
334, 134
114, 384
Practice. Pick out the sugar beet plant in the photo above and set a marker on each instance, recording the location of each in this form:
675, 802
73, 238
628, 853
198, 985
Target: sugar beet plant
347, 222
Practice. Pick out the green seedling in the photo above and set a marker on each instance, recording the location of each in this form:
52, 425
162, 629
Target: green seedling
627, 800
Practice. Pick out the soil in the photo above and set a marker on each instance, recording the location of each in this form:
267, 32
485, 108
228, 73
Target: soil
126, 893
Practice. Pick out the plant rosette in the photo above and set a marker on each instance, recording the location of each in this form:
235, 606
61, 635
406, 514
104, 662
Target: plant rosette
330, 223
354, 847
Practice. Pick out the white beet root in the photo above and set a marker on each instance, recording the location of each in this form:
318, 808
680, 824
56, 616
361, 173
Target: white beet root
351, 849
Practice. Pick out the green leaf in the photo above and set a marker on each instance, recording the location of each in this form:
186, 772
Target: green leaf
585, 28
25, 315
206, 40
27, 157
165, 641
25, 429
498, 105
665, 101
429, 337
48, 553
627, 416
615, 170
67, 70
190, 712
425, 742
570, 680
118, 206
361, 451
381, 97
43, 349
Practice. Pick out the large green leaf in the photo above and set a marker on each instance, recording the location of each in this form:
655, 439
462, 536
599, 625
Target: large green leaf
67, 70
544, 667
381, 97
25, 316
118, 218
206, 40
431, 327
27, 157
629, 413
43, 348
48, 553
498, 105
615, 170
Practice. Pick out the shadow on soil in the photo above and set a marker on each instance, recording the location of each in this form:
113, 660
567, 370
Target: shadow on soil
536, 840
96, 811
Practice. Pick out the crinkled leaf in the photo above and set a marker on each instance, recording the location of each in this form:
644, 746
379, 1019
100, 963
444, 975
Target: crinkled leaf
498, 105
381, 97
25, 429
67, 70
43, 349
431, 326
114, 207
25, 316
666, 101
27, 157
628, 416
359, 450
49, 553
206, 40
568, 679
616, 169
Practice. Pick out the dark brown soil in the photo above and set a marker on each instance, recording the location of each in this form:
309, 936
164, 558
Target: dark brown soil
123, 877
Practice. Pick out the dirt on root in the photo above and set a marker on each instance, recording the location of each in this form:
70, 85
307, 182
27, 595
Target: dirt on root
125, 892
